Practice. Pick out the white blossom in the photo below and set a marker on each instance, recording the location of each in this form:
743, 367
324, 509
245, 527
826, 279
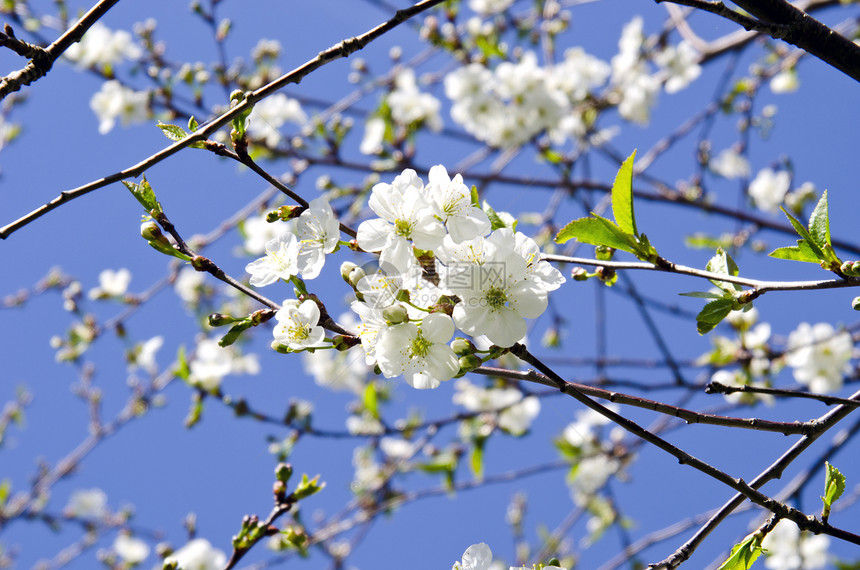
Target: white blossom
405, 218
515, 413
87, 503
789, 549
477, 557
145, 357
114, 102
298, 327
101, 46
409, 106
768, 189
681, 64
270, 114
188, 284
730, 164
785, 82
496, 294
111, 283
419, 352
130, 549
819, 356
463, 220
591, 474
258, 232
489, 7
198, 554
374, 135
338, 370
280, 262
212, 362
318, 232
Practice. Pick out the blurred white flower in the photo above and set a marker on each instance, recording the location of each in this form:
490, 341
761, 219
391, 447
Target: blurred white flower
188, 284
258, 232
590, 475
87, 503
374, 135
270, 114
819, 356
409, 105
115, 101
785, 82
198, 554
111, 283
789, 549
145, 357
489, 7
730, 164
131, 550
212, 362
681, 64
101, 46
768, 189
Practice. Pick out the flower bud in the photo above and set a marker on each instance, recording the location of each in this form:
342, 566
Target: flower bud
579, 274
342, 343
283, 472
345, 269
395, 314
855, 304
403, 296
463, 347
355, 276
469, 362
218, 320
284, 213
278, 347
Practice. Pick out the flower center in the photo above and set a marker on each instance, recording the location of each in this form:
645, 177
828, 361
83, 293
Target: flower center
495, 297
420, 346
403, 228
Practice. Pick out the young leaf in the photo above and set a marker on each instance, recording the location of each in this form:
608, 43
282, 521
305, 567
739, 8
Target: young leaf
144, 194
794, 253
743, 554
173, 132
597, 231
701, 295
724, 264
712, 313
819, 223
804, 233
622, 197
834, 486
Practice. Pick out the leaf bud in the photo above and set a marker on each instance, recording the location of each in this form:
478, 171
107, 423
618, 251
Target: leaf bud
395, 314
579, 274
218, 320
283, 472
342, 343
284, 213
463, 347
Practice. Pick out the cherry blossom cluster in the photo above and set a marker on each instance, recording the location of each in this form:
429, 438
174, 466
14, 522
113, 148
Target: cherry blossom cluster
442, 269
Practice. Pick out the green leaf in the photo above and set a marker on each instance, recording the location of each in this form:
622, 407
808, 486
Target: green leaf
478, 459
371, 401
723, 263
819, 223
496, 221
743, 554
834, 486
475, 201
308, 487
182, 370
804, 233
173, 132
622, 197
144, 194
597, 231
712, 313
192, 124
5, 491
702, 295
794, 253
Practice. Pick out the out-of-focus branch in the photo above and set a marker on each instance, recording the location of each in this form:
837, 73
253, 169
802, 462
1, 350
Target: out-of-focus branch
782, 20
42, 59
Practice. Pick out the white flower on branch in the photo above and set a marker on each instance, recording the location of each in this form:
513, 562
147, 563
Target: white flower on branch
477, 557
130, 549
88, 503
212, 362
681, 63
453, 199
419, 352
298, 327
409, 106
318, 233
111, 284
730, 164
280, 262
